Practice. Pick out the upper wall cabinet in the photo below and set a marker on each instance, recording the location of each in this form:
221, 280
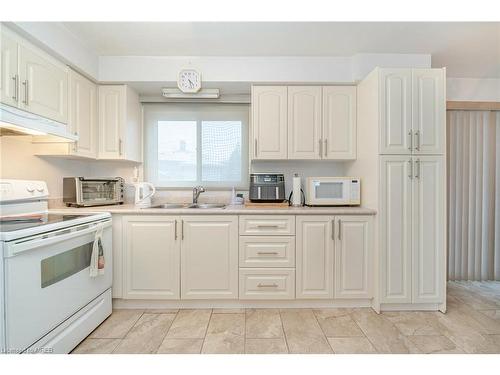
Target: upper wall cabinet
32, 80
339, 122
315, 122
120, 125
304, 122
412, 111
269, 122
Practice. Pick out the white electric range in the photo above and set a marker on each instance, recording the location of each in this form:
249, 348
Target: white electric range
48, 300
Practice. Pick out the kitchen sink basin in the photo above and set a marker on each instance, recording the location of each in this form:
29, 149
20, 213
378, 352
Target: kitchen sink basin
170, 205
207, 205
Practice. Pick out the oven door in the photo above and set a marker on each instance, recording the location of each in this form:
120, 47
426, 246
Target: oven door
47, 280
329, 192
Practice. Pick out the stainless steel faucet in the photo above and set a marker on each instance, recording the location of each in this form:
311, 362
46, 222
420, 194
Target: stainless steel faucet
197, 190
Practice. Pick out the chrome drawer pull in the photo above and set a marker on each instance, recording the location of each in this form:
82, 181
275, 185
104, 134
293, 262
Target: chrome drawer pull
267, 252
267, 226
273, 285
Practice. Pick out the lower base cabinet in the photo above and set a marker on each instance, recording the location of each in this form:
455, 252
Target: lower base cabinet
334, 257
267, 283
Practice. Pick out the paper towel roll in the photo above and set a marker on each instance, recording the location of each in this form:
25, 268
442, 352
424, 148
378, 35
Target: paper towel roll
296, 196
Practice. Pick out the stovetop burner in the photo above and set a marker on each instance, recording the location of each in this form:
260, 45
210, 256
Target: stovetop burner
32, 221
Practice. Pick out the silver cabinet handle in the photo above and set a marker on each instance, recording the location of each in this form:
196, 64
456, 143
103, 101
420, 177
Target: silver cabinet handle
410, 168
326, 147
26, 94
417, 163
340, 230
333, 229
267, 252
16, 87
417, 135
182, 229
273, 285
320, 148
255, 148
175, 230
267, 226
410, 144
120, 143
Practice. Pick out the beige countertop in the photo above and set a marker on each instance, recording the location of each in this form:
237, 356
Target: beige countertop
228, 210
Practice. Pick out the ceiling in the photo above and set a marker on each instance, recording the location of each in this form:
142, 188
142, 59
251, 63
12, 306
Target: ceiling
467, 49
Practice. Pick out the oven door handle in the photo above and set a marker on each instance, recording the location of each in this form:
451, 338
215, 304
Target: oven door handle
66, 234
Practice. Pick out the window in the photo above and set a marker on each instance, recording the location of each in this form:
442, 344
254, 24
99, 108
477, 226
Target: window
188, 144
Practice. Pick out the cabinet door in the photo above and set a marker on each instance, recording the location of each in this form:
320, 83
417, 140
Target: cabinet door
429, 111
9, 79
111, 118
314, 257
339, 122
83, 114
269, 122
429, 229
152, 257
353, 257
304, 122
395, 111
44, 85
395, 229
209, 257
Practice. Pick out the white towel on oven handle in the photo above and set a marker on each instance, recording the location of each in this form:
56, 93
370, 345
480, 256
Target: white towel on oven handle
94, 258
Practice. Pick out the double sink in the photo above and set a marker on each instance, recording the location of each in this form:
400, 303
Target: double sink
190, 205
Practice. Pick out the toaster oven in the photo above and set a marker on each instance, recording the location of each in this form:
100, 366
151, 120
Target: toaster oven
86, 192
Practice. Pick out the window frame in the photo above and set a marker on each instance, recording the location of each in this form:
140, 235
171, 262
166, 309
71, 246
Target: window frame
198, 112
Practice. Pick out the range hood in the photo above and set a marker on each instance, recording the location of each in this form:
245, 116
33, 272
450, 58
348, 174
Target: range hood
14, 121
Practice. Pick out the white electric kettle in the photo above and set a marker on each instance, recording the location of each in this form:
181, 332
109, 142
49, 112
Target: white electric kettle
144, 191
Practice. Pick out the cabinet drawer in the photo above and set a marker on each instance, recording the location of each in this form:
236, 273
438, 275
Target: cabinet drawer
267, 251
268, 225
267, 283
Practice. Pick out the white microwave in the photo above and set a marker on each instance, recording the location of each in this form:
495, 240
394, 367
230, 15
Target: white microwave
333, 191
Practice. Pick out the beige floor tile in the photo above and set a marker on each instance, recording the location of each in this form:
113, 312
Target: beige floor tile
180, 346
265, 346
384, 335
334, 325
351, 345
490, 325
190, 324
228, 311
161, 311
96, 346
333, 312
411, 323
433, 344
493, 314
117, 325
263, 324
147, 334
303, 333
225, 334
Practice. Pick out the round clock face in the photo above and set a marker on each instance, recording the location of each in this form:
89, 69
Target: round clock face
189, 81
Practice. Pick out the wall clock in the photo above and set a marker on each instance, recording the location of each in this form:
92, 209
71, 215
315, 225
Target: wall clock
189, 81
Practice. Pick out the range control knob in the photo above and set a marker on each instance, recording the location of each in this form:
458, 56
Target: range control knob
30, 189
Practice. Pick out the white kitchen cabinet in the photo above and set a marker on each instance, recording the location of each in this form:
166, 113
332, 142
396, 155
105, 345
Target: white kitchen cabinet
429, 111
267, 251
152, 257
353, 253
339, 122
267, 283
395, 111
269, 122
412, 228
209, 257
314, 257
120, 125
429, 231
83, 115
304, 122
44, 85
9, 77
32, 80
395, 228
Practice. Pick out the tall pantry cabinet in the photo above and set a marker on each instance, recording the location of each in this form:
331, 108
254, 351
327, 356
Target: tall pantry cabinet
410, 110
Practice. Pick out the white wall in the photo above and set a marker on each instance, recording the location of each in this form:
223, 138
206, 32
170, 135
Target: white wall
473, 89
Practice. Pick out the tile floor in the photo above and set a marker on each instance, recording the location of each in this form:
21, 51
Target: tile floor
471, 325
